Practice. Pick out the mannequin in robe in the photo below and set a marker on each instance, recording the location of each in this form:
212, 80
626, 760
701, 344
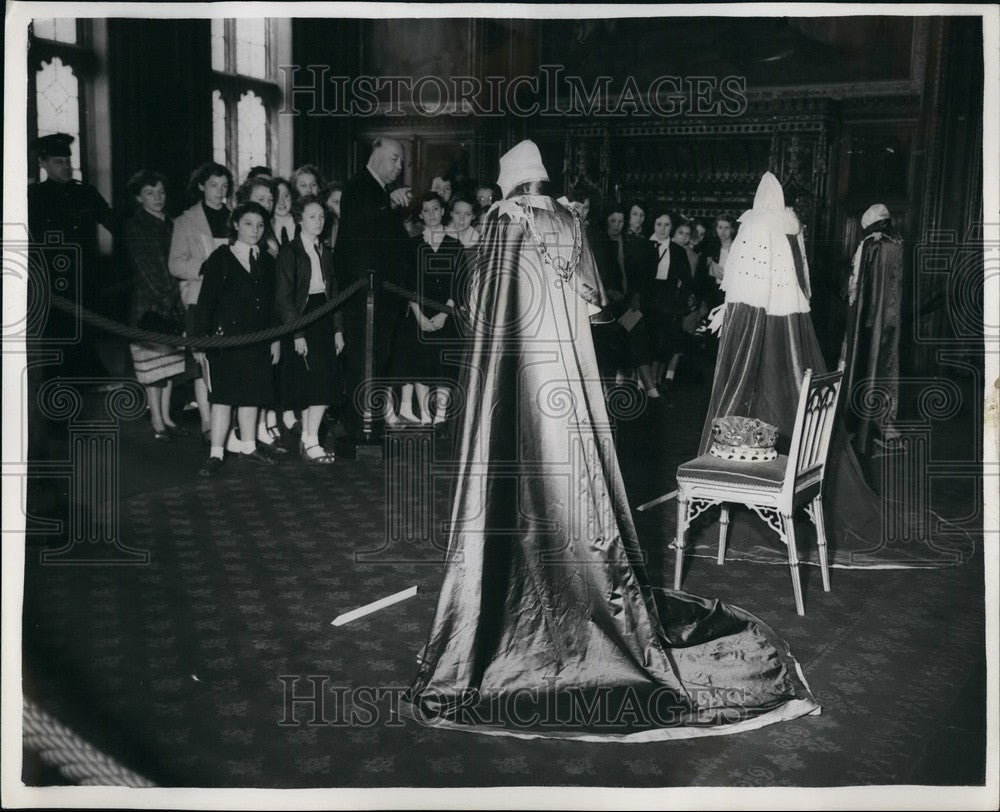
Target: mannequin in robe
766, 345
545, 607
871, 346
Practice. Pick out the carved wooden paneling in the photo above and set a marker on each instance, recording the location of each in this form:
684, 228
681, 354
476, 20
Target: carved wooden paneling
712, 166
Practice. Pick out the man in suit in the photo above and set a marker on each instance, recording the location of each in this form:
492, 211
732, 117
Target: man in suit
371, 237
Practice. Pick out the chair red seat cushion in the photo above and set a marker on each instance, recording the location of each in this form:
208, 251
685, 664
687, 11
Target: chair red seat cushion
768, 475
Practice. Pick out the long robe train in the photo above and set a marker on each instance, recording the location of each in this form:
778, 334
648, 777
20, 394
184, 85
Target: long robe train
546, 623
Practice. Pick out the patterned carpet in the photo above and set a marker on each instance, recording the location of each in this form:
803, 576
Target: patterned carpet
183, 668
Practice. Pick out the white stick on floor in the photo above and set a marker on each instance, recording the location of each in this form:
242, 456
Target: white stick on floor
659, 500
368, 608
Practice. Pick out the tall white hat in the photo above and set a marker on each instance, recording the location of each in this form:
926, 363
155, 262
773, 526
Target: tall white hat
520, 164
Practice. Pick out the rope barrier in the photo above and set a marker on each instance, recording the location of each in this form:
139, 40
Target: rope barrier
392, 287
60, 747
137, 335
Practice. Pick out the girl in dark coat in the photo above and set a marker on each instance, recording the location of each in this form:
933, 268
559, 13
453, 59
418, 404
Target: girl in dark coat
237, 296
309, 379
417, 356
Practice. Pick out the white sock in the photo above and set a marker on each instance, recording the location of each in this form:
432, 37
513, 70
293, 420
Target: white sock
310, 439
233, 444
653, 393
670, 374
248, 446
216, 452
262, 435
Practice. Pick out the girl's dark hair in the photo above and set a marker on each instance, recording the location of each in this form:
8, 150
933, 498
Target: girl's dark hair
663, 210
305, 169
728, 218
460, 198
427, 197
143, 178
247, 187
300, 204
614, 208
241, 211
330, 188
640, 204
209, 169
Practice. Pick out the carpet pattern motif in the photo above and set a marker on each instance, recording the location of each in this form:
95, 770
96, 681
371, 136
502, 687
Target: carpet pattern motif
183, 669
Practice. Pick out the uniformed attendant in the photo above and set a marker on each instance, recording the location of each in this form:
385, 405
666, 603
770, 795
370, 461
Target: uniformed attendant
65, 205
71, 210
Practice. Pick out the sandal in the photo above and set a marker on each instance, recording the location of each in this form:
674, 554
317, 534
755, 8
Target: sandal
326, 458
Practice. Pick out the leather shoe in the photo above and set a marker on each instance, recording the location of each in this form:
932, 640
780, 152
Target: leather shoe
322, 459
257, 457
272, 449
211, 467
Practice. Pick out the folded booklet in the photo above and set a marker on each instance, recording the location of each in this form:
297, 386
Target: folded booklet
630, 319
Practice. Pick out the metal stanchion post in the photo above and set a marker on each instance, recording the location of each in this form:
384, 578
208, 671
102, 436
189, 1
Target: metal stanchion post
369, 450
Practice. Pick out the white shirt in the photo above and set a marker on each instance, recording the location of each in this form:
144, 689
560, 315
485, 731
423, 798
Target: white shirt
316, 284
663, 251
242, 253
433, 237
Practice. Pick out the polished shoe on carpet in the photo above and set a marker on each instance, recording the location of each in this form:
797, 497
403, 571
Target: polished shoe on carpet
317, 458
272, 449
212, 466
257, 457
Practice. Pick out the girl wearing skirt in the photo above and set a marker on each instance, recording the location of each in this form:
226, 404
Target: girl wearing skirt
156, 298
416, 360
237, 297
305, 282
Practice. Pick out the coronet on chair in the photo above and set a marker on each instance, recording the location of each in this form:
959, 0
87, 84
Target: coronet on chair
773, 489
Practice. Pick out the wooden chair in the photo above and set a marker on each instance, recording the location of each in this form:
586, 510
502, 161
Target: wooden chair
773, 489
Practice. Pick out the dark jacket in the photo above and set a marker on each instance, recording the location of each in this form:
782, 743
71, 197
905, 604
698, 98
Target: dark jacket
675, 295
147, 242
640, 263
370, 236
231, 300
294, 275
